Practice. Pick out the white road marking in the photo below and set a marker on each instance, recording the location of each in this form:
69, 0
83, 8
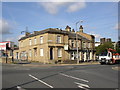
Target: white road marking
40, 81
74, 77
83, 86
20, 88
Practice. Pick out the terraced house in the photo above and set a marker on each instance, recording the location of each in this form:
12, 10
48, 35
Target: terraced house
55, 45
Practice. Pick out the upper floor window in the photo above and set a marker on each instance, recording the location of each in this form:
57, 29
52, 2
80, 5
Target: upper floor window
30, 42
58, 39
35, 41
84, 44
72, 43
41, 39
89, 45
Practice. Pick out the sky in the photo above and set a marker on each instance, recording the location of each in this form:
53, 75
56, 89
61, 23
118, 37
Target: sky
99, 18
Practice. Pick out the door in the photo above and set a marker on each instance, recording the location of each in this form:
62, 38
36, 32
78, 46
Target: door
51, 53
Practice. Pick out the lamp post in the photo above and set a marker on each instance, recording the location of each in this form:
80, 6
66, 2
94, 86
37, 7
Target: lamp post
77, 41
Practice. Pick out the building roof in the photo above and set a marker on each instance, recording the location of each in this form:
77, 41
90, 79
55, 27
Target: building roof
56, 31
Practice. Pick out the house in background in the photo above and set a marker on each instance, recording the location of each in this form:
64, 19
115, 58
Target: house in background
55, 45
104, 40
6, 49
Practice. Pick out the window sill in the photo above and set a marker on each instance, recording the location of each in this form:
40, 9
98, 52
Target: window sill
59, 56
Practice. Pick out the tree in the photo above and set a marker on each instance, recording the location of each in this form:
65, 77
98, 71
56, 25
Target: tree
103, 47
15, 46
118, 47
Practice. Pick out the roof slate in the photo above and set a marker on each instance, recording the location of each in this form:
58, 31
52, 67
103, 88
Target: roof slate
56, 31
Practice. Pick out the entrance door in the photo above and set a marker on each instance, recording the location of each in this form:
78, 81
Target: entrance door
51, 53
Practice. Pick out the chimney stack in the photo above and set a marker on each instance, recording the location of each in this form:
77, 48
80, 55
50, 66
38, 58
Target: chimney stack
27, 34
81, 28
73, 30
68, 28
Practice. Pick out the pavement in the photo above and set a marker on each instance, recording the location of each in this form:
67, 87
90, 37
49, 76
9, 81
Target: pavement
116, 68
85, 77
33, 64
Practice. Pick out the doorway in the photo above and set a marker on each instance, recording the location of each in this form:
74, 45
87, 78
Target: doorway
51, 53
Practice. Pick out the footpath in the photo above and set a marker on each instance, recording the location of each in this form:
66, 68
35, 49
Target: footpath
37, 64
45, 65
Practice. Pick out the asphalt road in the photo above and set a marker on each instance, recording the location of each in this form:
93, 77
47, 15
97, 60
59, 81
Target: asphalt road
72, 76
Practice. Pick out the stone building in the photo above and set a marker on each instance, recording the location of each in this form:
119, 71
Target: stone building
55, 45
104, 40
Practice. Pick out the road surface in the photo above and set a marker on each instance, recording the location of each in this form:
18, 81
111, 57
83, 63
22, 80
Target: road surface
71, 76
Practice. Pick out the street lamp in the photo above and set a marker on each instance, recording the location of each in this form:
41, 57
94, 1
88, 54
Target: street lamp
77, 40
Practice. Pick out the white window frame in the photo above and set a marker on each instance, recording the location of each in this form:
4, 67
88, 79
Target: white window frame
41, 52
30, 42
58, 39
72, 55
59, 52
41, 39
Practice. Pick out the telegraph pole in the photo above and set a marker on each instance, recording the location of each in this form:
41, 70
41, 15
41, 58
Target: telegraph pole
25, 30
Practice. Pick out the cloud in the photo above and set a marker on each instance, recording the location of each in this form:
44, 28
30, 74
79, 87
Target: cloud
76, 6
13, 39
10, 39
20, 36
53, 7
5, 27
117, 26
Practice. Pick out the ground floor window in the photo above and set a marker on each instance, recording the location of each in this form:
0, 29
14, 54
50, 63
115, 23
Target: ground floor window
30, 53
73, 55
59, 52
23, 55
41, 52
88, 55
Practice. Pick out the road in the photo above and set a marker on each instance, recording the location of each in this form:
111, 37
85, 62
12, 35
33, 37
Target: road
71, 76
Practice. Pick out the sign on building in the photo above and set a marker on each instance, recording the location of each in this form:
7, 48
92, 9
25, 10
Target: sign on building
3, 45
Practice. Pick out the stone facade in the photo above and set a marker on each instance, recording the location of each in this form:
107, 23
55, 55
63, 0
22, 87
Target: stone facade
55, 45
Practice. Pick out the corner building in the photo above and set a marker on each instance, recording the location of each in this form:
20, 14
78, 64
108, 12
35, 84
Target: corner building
55, 45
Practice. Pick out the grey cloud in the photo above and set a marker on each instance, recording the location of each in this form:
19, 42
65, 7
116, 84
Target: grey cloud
5, 27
